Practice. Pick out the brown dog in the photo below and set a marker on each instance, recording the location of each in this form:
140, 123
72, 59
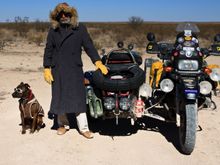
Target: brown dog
31, 111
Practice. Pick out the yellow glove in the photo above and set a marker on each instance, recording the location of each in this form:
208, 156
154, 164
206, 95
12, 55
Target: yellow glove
48, 75
102, 67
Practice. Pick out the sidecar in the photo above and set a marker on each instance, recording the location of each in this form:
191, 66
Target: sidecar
115, 95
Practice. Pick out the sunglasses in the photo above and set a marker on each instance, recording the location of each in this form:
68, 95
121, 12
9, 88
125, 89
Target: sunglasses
61, 14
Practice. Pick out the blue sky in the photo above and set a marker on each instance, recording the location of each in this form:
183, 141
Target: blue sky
116, 10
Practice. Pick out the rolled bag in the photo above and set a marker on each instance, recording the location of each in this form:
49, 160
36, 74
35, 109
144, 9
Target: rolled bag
133, 82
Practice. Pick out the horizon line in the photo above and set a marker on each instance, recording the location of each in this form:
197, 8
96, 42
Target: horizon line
41, 21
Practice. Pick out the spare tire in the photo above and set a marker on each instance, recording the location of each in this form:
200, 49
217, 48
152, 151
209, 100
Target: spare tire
135, 79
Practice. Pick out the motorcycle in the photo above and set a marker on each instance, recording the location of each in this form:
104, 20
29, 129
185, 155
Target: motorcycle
181, 81
115, 95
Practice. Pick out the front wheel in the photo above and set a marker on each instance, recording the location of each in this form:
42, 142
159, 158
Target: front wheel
187, 129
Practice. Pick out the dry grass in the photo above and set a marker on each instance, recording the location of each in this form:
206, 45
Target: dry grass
36, 37
106, 35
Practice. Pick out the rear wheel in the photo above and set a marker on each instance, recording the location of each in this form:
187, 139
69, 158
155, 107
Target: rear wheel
187, 129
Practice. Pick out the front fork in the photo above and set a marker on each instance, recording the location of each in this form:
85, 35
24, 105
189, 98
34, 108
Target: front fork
178, 98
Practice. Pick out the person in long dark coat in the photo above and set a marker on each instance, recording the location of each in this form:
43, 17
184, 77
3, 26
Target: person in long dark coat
63, 66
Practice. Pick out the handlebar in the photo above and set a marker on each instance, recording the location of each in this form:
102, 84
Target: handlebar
165, 48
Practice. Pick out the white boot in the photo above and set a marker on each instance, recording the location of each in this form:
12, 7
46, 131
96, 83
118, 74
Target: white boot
82, 123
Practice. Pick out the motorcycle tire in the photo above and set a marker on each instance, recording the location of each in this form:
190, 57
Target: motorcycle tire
187, 129
134, 82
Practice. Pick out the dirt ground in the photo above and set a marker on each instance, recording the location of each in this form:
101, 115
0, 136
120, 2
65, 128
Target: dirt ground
156, 143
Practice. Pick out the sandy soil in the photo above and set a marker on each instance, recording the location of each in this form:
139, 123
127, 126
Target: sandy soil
156, 144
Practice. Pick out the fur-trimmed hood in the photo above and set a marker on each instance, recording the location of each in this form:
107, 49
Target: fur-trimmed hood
66, 8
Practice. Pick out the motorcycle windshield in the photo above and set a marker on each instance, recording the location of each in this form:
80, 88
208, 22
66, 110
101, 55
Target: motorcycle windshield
187, 26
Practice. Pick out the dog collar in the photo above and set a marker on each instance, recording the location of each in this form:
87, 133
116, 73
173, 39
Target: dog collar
30, 95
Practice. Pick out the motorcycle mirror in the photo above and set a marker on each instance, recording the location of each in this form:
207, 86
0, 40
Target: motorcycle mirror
217, 38
152, 48
151, 37
215, 49
130, 46
120, 44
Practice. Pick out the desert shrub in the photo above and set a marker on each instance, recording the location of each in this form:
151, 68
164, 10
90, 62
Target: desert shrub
135, 22
36, 37
2, 44
106, 34
21, 26
7, 35
97, 45
40, 26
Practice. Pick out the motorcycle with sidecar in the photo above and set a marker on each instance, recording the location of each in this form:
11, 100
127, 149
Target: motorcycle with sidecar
171, 88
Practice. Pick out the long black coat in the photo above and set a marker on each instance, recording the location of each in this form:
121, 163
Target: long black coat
63, 55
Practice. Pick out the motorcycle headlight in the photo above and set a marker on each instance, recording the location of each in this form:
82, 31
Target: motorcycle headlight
214, 75
109, 103
205, 87
188, 65
125, 103
166, 85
